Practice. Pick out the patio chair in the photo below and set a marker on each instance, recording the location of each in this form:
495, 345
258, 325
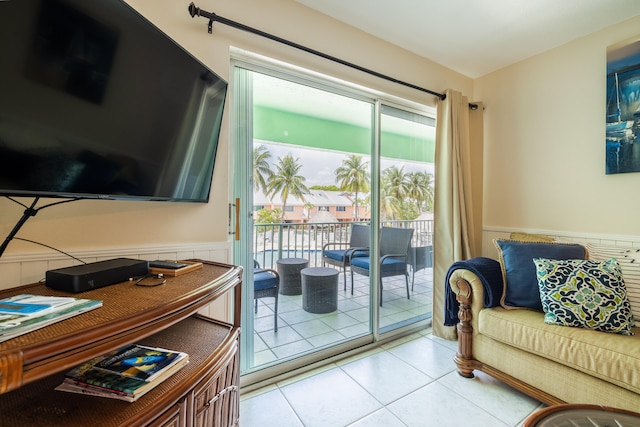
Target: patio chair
421, 257
266, 283
338, 253
394, 256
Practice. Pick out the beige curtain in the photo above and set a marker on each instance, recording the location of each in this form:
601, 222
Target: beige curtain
458, 194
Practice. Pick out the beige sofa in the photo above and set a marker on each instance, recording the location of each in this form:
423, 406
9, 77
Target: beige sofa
554, 364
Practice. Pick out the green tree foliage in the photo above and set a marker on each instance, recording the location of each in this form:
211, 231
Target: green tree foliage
402, 195
261, 168
266, 216
389, 204
353, 175
405, 195
420, 190
325, 187
286, 180
396, 179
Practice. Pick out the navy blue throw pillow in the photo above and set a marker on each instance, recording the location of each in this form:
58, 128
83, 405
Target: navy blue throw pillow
519, 272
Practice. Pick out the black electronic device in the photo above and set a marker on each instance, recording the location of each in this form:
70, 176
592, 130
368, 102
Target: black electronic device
85, 277
171, 265
97, 102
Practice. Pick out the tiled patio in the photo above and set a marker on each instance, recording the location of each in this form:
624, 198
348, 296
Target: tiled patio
300, 331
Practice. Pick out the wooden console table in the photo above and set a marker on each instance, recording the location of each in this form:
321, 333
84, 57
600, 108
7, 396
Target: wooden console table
203, 393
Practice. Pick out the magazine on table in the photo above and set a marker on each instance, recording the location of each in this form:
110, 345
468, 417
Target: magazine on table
31, 305
95, 391
13, 325
89, 379
141, 362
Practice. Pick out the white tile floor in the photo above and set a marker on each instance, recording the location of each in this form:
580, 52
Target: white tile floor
409, 382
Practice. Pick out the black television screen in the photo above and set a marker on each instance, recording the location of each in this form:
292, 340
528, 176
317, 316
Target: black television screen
96, 102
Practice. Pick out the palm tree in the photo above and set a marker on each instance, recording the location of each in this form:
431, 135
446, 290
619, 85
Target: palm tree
396, 179
308, 206
390, 204
261, 168
420, 189
354, 176
430, 191
286, 181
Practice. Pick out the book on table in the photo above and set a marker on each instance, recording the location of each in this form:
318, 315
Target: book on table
106, 376
24, 313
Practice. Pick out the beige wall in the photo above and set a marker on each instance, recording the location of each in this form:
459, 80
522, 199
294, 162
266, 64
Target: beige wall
110, 225
543, 132
545, 143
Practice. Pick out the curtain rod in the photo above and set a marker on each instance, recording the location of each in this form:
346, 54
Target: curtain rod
196, 11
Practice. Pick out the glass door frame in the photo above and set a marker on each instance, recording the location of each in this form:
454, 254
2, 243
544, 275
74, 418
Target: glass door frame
241, 156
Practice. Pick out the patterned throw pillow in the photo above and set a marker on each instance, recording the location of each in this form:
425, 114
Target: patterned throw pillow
629, 260
584, 293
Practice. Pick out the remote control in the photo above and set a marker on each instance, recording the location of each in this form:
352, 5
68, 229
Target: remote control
172, 265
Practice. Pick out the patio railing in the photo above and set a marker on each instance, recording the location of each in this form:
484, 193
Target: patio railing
272, 242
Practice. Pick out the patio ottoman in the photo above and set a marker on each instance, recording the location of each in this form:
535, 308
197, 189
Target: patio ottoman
320, 289
289, 270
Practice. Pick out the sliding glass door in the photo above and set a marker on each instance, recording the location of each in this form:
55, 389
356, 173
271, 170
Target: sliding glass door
306, 158
407, 149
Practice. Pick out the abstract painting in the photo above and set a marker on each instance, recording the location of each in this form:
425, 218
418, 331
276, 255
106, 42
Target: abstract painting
623, 108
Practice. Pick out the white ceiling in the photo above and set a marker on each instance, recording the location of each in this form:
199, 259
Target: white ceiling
476, 37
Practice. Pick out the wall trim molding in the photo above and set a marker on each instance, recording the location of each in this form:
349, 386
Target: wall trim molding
595, 237
23, 268
90, 254
489, 233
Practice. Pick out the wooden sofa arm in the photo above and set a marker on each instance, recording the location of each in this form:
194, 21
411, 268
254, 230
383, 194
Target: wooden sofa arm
469, 290
469, 293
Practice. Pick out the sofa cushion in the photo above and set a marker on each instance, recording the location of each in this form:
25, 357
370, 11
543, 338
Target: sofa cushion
342, 255
528, 237
263, 279
585, 294
390, 266
610, 357
519, 279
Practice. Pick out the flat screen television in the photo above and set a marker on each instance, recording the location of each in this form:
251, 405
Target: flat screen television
97, 102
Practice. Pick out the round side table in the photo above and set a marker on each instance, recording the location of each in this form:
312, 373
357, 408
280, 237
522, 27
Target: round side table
289, 270
572, 415
319, 289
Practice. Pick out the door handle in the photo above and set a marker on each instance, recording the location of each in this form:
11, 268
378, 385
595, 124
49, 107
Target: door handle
237, 218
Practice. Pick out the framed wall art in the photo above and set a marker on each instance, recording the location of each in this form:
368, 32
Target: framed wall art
623, 108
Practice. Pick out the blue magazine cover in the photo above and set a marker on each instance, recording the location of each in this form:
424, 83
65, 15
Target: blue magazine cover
143, 363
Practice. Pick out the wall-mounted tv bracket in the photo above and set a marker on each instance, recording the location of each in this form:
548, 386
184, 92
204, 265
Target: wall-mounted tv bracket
28, 213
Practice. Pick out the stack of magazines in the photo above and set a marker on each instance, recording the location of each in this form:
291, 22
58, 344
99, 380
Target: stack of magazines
21, 314
124, 374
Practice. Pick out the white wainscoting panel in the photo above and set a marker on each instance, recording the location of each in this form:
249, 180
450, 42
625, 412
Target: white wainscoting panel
17, 270
491, 233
